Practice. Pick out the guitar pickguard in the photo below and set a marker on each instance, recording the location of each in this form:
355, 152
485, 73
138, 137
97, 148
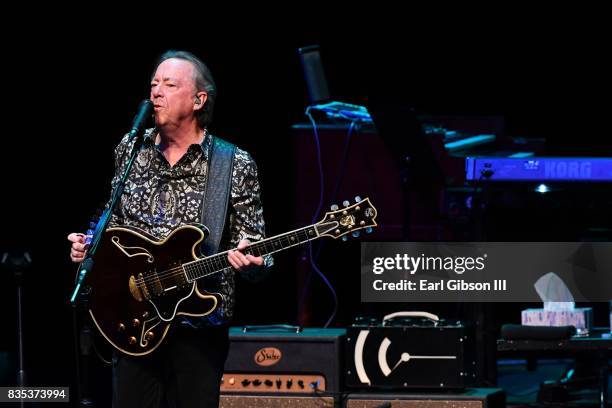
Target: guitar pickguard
166, 307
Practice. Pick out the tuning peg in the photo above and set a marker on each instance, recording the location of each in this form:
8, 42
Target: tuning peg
344, 238
357, 199
346, 203
93, 224
334, 207
89, 232
355, 234
368, 230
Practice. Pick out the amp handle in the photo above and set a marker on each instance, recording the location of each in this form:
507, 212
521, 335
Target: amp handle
286, 327
427, 315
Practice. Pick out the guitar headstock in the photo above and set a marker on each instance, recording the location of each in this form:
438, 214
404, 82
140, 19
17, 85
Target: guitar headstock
339, 222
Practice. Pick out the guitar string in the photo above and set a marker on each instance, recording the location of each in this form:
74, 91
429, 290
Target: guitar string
177, 271
173, 272
210, 261
215, 259
213, 262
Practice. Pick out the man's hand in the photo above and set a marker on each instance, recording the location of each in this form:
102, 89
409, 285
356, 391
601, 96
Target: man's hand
78, 250
242, 262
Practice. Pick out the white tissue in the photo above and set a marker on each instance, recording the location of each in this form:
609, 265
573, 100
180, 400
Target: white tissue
554, 293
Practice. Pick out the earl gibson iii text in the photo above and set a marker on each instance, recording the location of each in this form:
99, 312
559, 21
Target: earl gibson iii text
453, 266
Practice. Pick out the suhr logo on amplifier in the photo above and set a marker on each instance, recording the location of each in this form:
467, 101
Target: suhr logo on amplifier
267, 356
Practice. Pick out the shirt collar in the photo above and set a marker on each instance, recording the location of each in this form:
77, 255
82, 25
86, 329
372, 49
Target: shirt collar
151, 134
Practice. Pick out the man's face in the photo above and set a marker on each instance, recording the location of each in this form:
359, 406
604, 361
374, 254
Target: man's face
173, 92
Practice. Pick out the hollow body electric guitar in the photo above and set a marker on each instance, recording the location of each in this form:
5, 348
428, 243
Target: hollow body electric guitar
139, 284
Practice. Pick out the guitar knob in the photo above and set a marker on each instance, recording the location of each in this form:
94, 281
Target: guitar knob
368, 230
135, 322
357, 199
132, 340
344, 238
150, 335
334, 207
346, 203
121, 327
355, 234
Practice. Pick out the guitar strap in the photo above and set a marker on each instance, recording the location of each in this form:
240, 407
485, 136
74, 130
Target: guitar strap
217, 192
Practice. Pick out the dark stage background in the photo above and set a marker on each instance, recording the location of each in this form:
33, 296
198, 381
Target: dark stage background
74, 89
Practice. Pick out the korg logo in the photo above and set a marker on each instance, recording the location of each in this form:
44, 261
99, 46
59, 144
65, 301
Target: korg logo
567, 169
268, 356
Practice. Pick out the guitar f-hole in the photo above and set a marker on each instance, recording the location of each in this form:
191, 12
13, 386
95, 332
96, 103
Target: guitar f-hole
131, 252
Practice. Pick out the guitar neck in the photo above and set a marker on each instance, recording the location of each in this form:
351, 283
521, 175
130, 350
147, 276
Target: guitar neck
213, 264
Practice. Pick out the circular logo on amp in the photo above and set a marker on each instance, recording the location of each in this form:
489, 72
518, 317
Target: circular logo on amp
267, 356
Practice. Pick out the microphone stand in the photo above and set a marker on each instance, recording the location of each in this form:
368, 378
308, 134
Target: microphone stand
80, 294
88, 262
18, 264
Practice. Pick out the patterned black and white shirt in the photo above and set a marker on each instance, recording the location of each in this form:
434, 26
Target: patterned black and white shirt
159, 198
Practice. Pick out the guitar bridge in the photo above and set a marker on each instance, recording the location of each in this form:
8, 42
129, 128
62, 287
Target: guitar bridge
138, 288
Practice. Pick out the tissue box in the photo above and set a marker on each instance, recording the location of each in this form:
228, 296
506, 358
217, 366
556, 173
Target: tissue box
581, 318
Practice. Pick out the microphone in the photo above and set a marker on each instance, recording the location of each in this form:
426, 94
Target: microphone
144, 112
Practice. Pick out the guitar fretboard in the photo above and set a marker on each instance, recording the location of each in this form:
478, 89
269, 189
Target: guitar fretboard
216, 263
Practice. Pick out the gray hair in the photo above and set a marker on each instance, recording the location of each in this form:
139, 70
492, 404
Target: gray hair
203, 82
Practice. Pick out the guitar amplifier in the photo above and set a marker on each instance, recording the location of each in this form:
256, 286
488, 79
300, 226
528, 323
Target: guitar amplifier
283, 360
410, 350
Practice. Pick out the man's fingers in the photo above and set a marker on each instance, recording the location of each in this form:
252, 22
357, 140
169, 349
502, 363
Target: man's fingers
80, 247
76, 237
76, 256
231, 257
242, 258
74, 252
255, 260
239, 260
243, 244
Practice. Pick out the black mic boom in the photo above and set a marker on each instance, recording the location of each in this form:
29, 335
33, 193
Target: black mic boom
144, 112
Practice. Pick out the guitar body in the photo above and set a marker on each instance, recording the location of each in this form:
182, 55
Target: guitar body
138, 286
